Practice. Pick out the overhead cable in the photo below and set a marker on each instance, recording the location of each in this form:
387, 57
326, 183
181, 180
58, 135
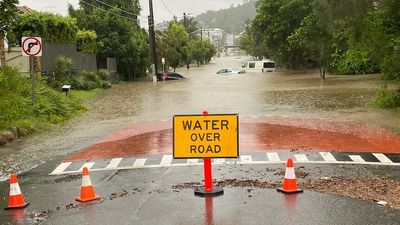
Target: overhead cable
128, 18
167, 8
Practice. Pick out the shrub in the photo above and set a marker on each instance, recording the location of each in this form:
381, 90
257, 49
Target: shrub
391, 67
18, 110
387, 98
103, 74
61, 74
356, 61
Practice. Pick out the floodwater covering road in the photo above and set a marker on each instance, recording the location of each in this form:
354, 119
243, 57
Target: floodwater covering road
295, 108
338, 104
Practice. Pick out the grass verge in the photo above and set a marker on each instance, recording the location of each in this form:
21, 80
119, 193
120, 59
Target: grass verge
19, 111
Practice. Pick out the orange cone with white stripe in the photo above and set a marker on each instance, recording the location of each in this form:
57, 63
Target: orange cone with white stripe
87, 190
16, 200
289, 182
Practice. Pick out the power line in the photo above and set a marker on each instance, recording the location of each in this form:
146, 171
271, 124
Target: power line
86, 3
167, 8
106, 4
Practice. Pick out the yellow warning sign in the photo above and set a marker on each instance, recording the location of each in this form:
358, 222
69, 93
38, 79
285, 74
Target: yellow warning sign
211, 136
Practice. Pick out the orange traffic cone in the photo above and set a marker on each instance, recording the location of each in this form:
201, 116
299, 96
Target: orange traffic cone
289, 182
16, 200
87, 190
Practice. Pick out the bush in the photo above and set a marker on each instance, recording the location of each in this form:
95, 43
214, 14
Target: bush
103, 74
387, 98
18, 110
391, 67
61, 74
90, 76
356, 61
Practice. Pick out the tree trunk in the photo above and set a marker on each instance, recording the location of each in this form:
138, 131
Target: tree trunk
187, 65
322, 63
2, 50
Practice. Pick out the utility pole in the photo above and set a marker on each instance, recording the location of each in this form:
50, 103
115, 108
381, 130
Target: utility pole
185, 24
185, 21
152, 38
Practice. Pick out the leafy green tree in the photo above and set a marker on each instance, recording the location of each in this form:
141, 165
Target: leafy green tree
119, 32
51, 27
315, 40
86, 41
276, 20
201, 51
171, 44
191, 25
251, 42
8, 16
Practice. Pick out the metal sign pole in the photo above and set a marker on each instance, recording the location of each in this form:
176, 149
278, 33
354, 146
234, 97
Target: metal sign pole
33, 79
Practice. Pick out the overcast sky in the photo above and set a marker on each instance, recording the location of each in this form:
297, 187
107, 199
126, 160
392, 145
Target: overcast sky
177, 7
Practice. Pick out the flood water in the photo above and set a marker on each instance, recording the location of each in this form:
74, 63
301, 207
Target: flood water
286, 97
279, 94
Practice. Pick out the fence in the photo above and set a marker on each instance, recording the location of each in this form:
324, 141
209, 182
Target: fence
81, 61
15, 59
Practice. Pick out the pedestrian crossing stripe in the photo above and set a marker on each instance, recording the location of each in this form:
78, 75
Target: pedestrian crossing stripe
253, 158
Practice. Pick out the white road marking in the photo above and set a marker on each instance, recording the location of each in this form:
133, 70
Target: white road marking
193, 161
356, 158
381, 157
219, 161
301, 158
328, 156
60, 168
273, 157
139, 163
166, 160
114, 163
89, 165
246, 159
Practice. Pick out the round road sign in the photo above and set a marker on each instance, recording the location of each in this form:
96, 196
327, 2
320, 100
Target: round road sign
31, 46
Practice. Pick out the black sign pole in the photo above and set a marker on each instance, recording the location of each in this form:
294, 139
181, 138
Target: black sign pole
33, 79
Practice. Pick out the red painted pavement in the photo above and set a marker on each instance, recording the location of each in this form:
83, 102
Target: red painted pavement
255, 135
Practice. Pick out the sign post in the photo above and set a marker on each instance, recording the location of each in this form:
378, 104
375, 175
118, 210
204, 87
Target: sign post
32, 47
206, 136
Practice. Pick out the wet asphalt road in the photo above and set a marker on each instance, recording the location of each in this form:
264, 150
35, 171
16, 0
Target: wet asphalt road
146, 196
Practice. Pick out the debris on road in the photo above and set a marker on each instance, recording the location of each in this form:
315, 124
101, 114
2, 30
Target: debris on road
368, 188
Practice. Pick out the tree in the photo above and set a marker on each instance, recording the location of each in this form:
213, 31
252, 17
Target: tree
276, 20
119, 32
201, 51
86, 41
315, 40
171, 44
191, 25
8, 16
251, 42
50, 27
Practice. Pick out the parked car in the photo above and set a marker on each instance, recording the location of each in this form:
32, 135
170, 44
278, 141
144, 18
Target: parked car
170, 76
228, 71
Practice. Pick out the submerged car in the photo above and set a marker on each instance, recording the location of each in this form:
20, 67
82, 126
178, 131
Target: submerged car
228, 71
169, 76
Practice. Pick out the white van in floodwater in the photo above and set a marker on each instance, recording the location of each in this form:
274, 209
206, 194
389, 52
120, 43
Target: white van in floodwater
260, 66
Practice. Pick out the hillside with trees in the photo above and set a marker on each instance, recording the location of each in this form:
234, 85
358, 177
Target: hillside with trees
231, 20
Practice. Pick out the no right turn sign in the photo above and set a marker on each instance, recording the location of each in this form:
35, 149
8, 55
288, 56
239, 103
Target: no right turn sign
31, 46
